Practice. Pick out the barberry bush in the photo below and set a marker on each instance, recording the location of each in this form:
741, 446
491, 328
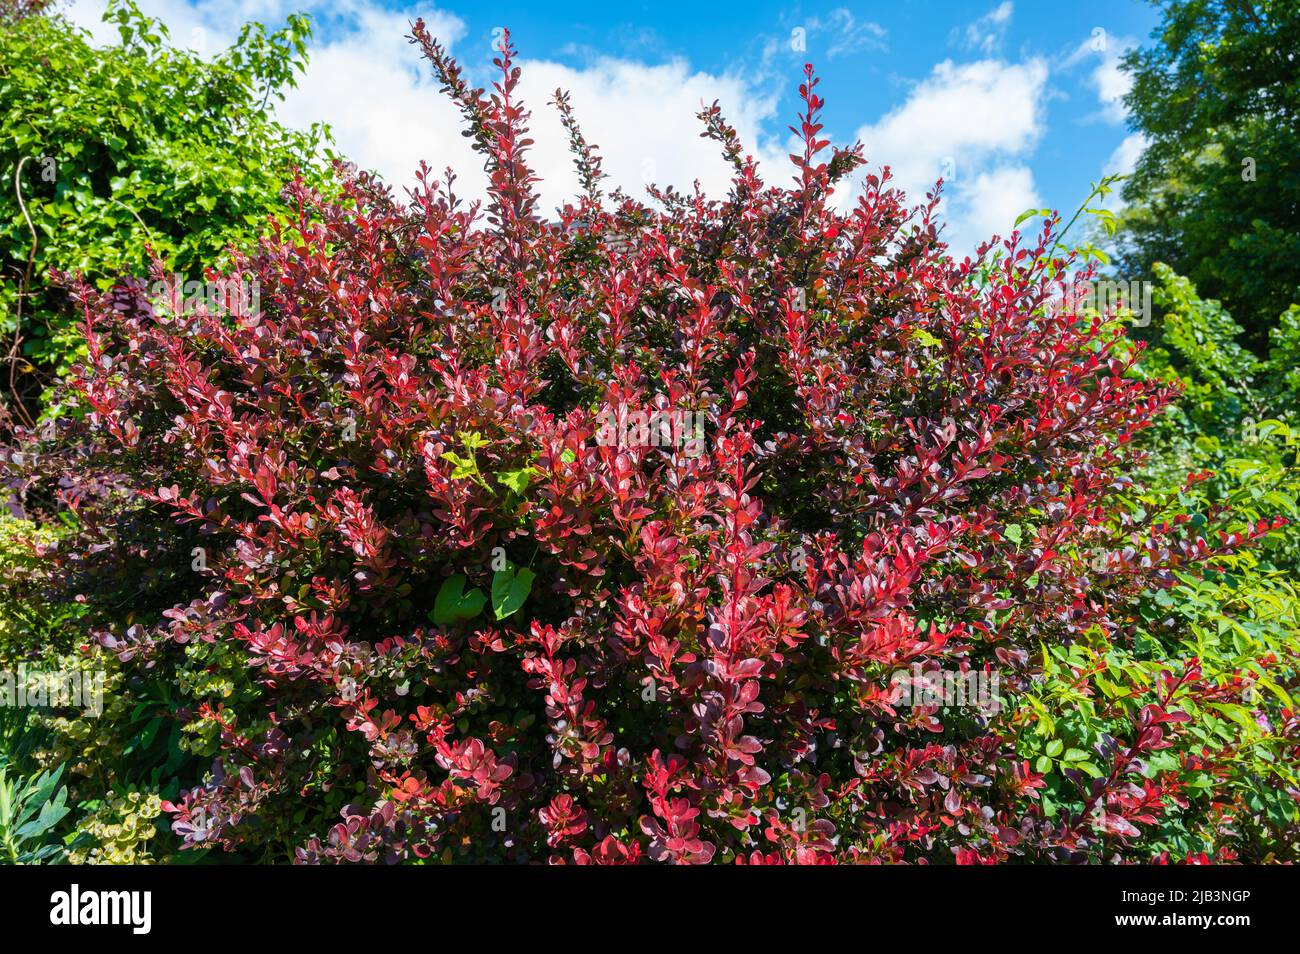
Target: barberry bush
432, 573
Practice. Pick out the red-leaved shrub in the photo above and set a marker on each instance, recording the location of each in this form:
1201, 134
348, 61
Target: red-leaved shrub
603, 539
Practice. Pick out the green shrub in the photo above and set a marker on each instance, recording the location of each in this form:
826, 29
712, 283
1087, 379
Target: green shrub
134, 144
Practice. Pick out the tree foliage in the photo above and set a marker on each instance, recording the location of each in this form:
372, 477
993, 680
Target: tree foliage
108, 150
1216, 195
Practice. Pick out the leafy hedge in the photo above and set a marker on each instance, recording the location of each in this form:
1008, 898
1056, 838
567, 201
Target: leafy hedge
430, 560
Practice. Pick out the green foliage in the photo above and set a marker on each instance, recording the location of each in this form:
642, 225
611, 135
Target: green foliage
139, 740
510, 587
1240, 415
1216, 195
1227, 624
31, 804
1204, 336
453, 604
115, 148
1236, 426
119, 831
30, 625
30, 808
1238, 421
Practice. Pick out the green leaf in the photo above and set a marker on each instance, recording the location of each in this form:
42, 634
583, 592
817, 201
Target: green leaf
1055, 747
510, 587
462, 467
516, 480
150, 730
472, 440
924, 338
454, 605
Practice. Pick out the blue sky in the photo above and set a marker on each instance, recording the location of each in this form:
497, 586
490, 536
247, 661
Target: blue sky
1015, 102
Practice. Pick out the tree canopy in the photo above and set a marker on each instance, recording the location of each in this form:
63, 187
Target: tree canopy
1216, 195
110, 150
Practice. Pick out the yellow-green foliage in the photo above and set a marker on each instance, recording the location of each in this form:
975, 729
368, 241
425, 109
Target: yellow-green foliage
26, 624
118, 832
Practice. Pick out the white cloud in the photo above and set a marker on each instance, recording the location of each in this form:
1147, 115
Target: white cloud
823, 38
380, 98
1107, 79
205, 26
1125, 157
989, 205
387, 112
843, 33
987, 33
1122, 161
363, 77
643, 119
1112, 86
973, 124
